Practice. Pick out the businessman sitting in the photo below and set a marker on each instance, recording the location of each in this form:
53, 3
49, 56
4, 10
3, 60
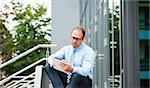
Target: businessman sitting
80, 58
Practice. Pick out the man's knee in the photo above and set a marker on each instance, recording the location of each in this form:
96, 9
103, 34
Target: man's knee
75, 75
46, 67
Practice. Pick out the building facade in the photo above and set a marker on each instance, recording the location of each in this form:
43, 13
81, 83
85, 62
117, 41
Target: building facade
144, 42
119, 34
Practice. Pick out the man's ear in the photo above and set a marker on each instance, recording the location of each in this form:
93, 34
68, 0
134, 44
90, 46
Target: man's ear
84, 40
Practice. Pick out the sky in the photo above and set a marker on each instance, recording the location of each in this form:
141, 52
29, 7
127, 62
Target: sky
46, 3
116, 2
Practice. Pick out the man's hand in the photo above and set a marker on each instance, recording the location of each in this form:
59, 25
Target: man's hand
66, 66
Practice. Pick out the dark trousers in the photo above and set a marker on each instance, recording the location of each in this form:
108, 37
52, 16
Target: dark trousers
59, 79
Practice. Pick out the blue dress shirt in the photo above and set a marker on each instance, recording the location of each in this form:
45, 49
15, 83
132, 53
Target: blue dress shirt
84, 59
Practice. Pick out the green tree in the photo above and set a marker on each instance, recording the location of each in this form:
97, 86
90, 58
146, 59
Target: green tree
6, 42
30, 31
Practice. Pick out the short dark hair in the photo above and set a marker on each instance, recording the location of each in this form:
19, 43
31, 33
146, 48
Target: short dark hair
81, 29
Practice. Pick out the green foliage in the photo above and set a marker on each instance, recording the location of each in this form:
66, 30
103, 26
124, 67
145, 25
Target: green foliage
5, 42
116, 18
30, 31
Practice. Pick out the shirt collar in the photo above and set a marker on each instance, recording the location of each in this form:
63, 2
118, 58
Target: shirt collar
78, 48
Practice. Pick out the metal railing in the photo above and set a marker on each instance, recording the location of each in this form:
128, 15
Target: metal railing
26, 53
20, 71
26, 68
19, 78
16, 83
41, 78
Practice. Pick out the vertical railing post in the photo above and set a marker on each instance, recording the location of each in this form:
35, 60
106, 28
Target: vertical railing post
47, 52
112, 46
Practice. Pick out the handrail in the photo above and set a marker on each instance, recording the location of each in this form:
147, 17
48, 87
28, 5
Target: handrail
22, 70
28, 83
26, 52
21, 80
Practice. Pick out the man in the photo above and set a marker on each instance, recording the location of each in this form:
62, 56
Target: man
81, 60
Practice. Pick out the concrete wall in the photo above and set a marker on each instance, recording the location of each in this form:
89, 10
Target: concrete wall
65, 16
